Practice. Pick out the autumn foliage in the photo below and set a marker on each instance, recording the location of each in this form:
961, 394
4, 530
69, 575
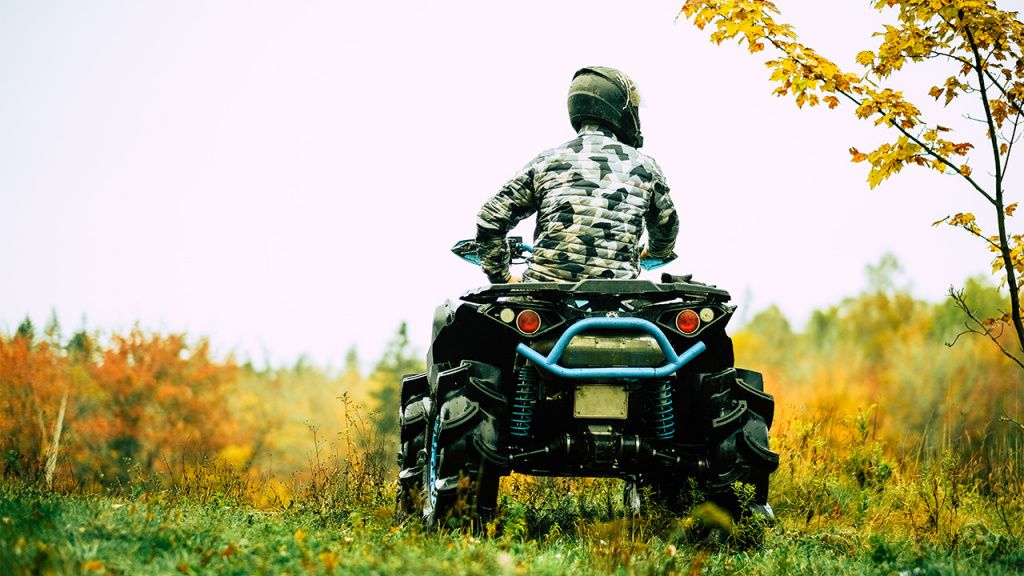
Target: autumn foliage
982, 49
138, 402
883, 361
136, 409
869, 390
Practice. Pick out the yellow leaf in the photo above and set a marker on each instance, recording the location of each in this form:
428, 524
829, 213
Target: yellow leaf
93, 565
300, 535
935, 92
858, 156
874, 179
1003, 148
965, 170
865, 58
1010, 209
964, 220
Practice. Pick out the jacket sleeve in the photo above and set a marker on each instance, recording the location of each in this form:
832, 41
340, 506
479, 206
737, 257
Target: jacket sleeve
662, 220
516, 200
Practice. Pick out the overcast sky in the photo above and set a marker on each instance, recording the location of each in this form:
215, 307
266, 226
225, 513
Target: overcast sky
287, 177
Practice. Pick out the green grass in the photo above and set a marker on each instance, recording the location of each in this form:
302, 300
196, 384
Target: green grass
844, 506
154, 534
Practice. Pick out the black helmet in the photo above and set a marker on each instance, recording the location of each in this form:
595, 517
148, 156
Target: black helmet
607, 97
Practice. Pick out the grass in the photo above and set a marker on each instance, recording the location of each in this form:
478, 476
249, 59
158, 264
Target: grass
118, 535
845, 504
832, 518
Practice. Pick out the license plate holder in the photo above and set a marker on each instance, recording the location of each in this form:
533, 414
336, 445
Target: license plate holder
606, 401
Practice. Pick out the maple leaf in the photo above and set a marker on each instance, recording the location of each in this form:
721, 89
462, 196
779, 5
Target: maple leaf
858, 156
962, 148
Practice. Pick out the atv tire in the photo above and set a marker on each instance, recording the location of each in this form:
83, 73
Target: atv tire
462, 464
740, 417
413, 442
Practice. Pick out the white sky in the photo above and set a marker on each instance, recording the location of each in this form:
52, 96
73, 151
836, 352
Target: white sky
287, 177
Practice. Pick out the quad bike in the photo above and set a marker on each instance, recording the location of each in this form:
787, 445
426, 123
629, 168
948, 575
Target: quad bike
627, 379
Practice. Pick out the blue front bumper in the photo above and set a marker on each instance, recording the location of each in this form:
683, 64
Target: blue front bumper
673, 361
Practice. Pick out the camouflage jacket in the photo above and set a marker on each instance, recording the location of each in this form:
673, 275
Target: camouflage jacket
592, 195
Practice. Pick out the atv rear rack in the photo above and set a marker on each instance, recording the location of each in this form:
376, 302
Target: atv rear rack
592, 288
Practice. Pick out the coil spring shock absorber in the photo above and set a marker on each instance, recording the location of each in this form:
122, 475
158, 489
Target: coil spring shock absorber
523, 401
664, 415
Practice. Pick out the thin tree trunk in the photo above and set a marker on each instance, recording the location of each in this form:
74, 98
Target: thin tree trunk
42, 426
53, 450
1004, 243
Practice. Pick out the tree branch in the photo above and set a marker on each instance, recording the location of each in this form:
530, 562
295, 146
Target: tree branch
958, 298
1010, 143
959, 59
893, 123
993, 139
992, 79
943, 159
974, 232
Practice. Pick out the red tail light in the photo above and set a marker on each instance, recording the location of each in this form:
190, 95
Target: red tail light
528, 321
687, 321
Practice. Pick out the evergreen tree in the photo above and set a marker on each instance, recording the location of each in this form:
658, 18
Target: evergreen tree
27, 330
398, 360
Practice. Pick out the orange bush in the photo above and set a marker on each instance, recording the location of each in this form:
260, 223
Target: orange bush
142, 402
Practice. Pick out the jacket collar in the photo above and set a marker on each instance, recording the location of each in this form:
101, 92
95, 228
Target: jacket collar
588, 129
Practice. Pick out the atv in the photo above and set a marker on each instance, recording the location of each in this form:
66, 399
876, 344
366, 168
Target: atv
625, 379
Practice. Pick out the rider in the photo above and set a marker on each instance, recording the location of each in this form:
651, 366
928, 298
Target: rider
592, 194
